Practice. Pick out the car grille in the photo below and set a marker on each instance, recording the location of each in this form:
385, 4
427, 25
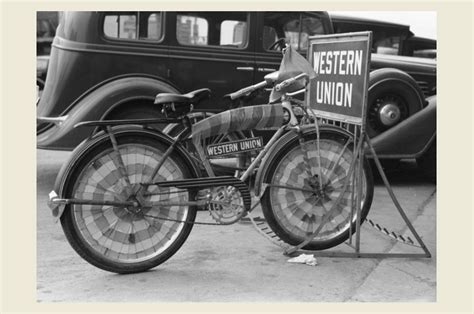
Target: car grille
425, 88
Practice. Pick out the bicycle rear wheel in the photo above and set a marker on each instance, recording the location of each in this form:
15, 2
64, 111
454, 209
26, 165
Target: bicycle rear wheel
298, 198
118, 238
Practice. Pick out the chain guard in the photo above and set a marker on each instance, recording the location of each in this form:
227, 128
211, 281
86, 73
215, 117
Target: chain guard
222, 205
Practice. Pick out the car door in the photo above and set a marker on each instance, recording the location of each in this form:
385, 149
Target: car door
212, 50
294, 27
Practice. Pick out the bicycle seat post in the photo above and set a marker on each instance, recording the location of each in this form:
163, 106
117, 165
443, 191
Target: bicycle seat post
186, 123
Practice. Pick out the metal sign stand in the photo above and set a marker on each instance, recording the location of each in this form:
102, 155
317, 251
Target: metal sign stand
356, 117
358, 158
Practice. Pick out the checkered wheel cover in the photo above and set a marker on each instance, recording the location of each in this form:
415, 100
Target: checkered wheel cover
114, 232
300, 212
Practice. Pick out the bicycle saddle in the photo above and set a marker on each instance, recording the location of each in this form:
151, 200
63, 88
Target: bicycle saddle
193, 97
177, 105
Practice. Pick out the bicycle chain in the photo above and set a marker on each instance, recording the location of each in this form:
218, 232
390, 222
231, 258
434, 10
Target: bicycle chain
189, 222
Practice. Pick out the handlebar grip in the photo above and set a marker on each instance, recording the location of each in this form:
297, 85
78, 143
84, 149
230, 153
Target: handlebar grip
284, 84
247, 90
289, 81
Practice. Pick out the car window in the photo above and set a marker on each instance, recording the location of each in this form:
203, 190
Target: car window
294, 27
134, 25
219, 29
46, 24
387, 45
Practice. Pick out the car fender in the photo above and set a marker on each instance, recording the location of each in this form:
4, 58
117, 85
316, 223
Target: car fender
67, 169
411, 138
285, 140
95, 106
389, 87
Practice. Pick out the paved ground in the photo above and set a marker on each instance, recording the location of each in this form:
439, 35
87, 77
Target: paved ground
235, 263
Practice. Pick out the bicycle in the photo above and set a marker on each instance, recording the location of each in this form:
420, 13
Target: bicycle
128, 196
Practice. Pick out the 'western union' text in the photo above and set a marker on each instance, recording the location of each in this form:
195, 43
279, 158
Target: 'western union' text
334, 93
339, 62
234, 147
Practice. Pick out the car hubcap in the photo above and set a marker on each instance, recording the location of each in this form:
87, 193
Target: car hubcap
389, 115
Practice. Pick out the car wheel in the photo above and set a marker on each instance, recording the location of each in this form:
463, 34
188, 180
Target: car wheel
393, 96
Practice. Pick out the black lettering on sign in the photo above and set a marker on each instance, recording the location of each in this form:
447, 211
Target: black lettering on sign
229, 148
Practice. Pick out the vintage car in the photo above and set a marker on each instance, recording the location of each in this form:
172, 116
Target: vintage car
46, 24
110, 65
388, 38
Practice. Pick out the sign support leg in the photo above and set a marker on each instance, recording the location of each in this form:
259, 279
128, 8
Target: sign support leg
356, 168
394, 199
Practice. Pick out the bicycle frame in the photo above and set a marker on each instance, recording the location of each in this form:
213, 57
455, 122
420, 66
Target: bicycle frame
259, 119
280, 115
252, 116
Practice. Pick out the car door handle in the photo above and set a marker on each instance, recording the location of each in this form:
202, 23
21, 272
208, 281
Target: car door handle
266, 70
245, 68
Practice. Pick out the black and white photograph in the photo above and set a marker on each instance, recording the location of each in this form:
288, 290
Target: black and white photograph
197, 159
220, 156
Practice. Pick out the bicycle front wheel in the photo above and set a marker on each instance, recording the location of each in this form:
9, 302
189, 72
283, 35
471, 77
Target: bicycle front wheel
307, 189
118, 238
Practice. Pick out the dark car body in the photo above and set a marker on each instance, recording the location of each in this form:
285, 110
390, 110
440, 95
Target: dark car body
46, 24
388, 38
110, 65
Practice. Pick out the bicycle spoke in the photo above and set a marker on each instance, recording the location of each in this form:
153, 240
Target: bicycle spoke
326, 211
291, 205
98, 185
99, 209
336, 162
289, 187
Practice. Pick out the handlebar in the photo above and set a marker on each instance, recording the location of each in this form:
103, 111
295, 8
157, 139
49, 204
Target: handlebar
247, 90
290, 81
278, 87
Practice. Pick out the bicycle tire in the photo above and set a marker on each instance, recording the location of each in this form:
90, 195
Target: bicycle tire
112, 238
294, 214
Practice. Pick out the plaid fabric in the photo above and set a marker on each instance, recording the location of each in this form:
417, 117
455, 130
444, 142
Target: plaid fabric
301, 212
246, 118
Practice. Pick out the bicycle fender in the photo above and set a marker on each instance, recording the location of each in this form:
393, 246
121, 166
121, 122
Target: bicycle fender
62, 180
288, 139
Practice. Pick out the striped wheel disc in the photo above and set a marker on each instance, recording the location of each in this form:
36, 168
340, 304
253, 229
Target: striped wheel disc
118, 233
300, 212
